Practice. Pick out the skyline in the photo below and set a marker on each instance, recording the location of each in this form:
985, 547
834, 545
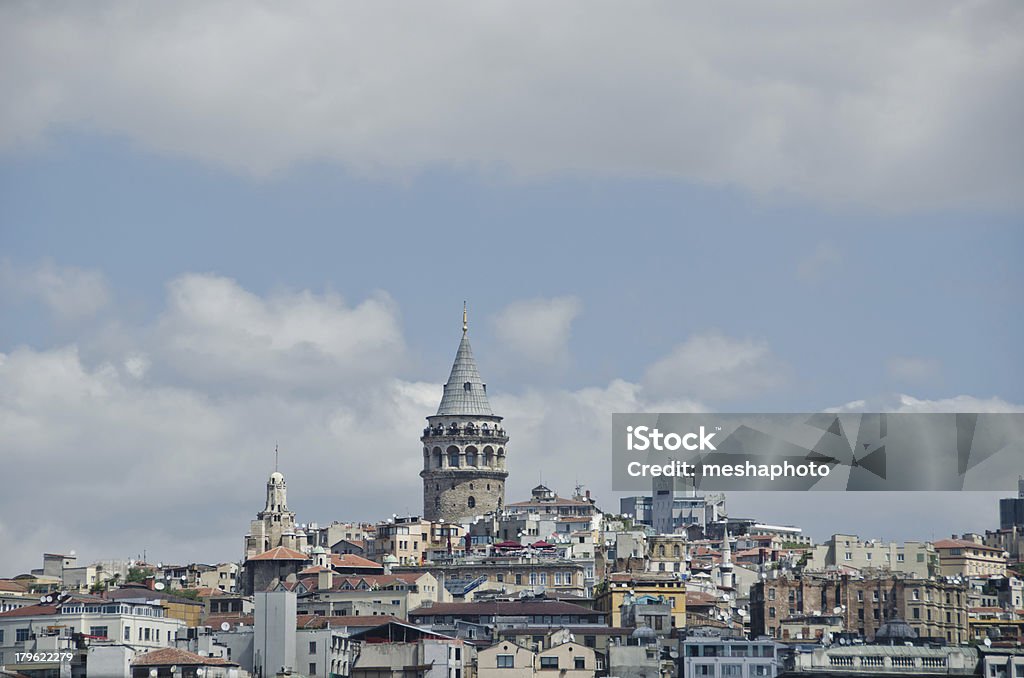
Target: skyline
225, 228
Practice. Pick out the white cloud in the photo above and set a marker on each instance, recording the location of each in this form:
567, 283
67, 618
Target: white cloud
68, 292
883, 105
216, 332
537, 330
715, 367
907, 403
911, 368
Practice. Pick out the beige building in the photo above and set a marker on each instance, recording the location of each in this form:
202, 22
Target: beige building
619, 585
506, 659
849, 551
409, 539
966, 558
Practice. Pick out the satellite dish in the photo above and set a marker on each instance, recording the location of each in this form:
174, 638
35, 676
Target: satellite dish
224, 626
174, 669
42, 599
159, 566
49, 599
159, 586
674, 654
72, 552
842, 641
153, 673
837, 610
988, 642
742, 613
200, 672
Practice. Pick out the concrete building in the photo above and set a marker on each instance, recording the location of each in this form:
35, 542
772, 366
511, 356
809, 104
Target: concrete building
919, 559
396, 650
464, 446
396, 594
274, 640
720, 656
934, 608
886, 660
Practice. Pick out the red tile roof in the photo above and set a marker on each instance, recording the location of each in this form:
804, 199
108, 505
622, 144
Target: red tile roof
963, 543
281, 553
170, 656
504, 608
352, 560
30, 611
12, 586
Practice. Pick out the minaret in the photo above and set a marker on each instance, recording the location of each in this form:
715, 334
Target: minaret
463, 446
725, 575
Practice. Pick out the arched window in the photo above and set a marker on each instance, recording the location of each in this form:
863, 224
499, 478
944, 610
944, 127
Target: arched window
453, 456
437, 457
471, 456
675, 550
471, 502
661, 551
488, 456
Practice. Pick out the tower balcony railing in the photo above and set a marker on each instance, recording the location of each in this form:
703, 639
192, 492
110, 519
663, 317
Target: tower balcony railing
464, 431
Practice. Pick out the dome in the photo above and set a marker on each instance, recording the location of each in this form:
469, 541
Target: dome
390, 560
644, 634
895, 629
276, 478
318, 550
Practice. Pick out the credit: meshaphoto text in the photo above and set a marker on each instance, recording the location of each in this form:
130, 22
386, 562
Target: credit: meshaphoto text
745, 470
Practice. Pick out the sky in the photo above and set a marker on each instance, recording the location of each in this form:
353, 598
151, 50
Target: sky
227, 226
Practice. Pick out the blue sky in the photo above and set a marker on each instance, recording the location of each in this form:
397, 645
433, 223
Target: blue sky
213, 241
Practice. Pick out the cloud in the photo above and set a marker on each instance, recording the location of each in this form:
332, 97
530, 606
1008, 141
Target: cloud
537, 330
818, 264
68, 292
907, 403
214, 331
911, 368
713, 366
910, 106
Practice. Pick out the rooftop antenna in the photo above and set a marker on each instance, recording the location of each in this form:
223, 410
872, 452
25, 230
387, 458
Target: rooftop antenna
275, 457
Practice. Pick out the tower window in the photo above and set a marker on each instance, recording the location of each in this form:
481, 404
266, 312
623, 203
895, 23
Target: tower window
467, 386
471, 502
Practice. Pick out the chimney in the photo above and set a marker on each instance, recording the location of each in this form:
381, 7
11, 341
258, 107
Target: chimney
150, 582
325, 579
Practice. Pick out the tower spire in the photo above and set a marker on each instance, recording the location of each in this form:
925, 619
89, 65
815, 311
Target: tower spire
275, 457
465, 318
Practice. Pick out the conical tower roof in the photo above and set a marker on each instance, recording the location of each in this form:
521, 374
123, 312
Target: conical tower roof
465, 392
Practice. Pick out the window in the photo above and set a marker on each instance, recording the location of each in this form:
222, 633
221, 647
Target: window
471, 502
312, 668
703, 669
549, 662
849, 556
732, 670
505, 661
579, 663
21, 635
760, 670
127, 633
771, 594
312, 647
